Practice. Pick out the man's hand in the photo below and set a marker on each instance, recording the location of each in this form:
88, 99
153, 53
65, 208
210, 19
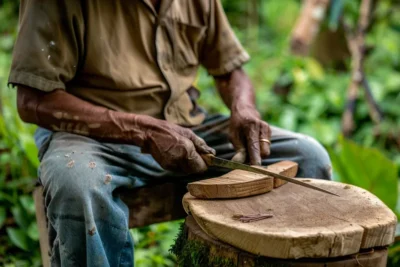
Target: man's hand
246, 128
246, 131
175, 148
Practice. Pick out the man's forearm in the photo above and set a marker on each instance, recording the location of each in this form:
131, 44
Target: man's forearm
61, 111
175, 148
236, 90
248, 133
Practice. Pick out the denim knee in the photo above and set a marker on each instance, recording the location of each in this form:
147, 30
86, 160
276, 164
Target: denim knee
89, 224
315, 161
76, 182
67, 178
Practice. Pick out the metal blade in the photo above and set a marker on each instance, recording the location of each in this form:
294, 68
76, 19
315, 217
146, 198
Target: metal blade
214, 161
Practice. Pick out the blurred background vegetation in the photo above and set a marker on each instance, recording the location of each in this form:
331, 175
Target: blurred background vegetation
306, 94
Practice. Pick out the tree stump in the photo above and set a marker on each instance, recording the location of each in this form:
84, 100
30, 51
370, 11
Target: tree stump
291, 225
194, 248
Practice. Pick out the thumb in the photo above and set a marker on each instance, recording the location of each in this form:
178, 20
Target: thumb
237, 143
240, 155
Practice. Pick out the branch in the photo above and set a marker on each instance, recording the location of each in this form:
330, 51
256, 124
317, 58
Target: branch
307, 25
356, 43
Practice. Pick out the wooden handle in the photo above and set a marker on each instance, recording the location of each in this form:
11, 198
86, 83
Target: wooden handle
207, 158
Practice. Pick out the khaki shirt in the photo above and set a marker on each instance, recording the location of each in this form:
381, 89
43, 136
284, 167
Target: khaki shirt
122, 54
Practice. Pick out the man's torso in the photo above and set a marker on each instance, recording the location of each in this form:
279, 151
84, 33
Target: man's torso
133, 56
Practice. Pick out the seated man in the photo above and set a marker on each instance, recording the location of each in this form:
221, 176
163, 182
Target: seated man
109, 83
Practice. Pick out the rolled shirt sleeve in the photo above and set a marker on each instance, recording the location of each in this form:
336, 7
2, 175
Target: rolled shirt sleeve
222, 51
49, 45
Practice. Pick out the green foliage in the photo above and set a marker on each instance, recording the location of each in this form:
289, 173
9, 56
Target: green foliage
313, 105
18, 164
394, 255
153, 242
367, 168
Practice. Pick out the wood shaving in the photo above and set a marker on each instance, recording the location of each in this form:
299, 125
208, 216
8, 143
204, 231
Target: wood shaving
251, 217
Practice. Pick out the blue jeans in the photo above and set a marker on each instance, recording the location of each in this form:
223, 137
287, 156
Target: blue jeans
88, 222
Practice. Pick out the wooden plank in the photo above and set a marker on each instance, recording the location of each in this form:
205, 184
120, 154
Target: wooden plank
154, 204
240, 183
42, 225
305, 223
287, 168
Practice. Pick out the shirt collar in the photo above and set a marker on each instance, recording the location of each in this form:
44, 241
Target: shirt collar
165, 5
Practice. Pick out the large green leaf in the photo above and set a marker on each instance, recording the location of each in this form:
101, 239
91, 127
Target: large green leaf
367, 168
29, 147
33, 231
28, 203
20, 216
19, 238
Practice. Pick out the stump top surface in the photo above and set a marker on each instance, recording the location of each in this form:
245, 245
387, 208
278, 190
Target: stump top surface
304, 222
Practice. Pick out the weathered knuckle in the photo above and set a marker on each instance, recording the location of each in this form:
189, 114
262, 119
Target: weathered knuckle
187, 133
200, 140
264, 124
186, 143
168, 165
251, 124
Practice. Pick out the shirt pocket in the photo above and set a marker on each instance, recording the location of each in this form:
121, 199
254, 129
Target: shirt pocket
186, 42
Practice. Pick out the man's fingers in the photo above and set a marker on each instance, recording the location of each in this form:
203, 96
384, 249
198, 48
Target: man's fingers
194, 163
265, 133
240, 156
253, 144
239, 146
200, 145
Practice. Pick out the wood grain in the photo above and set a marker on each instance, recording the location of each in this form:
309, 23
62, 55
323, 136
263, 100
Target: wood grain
217, 249
240, 183
305, 223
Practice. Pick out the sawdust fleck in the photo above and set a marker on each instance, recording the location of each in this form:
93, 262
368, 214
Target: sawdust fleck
92, 231
108, 179
92, 165
94, 125
347, 187
57, 115
71, 164
67, 155
307, 181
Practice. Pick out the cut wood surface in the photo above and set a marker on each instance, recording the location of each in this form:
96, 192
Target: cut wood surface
217, 249
304, 223
240, 183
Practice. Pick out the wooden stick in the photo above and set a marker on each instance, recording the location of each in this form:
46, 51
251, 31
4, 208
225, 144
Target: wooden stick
356, 44
374, 111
